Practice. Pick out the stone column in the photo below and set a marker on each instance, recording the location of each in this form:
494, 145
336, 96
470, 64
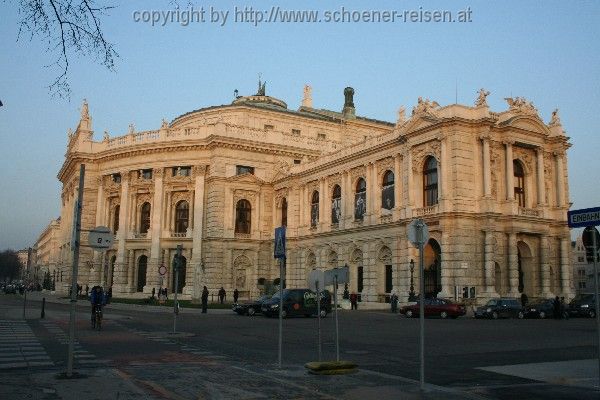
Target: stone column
322, 198
195, 265
326, 203
565, 276
410, 183
302, 206
347, 201
446, 266
369, 292
131, 285
513, 265
560, 180
375, 202
397, 184
545, 268
490, 287
510, 185
487, 172
156, 232
120, 275
100, 213
541, 192
444, 171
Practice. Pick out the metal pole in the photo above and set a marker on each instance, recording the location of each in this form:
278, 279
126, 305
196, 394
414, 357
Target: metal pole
318, 320
281, 261
421, 306
75, 244
596, 302
175, 311
26, 279
337, 331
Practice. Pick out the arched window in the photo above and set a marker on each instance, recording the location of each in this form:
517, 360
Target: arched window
243, 214
314, 209
336, 205
387, 191
145, 218
116, 219
430, 182
360, 199
182, 213
284, 212
141, 276
519, 175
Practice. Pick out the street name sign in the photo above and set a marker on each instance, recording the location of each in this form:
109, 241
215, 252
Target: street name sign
583, 217
342, 275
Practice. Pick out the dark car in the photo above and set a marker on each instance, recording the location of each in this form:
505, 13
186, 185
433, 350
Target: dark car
10, 289
583, 305
505, 307
297, 302
435, 307
250, 307
543, 309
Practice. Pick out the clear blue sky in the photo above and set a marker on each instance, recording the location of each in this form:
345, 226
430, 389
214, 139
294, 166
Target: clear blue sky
546, 51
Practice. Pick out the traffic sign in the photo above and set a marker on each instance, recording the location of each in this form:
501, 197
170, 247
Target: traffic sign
316, 280
418, 232
342, 275
100, 238
583, 217
279, 251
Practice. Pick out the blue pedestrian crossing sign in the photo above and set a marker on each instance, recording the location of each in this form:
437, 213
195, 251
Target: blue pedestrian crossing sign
280, 242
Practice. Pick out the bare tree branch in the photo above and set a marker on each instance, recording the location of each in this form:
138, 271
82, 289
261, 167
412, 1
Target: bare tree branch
70, 28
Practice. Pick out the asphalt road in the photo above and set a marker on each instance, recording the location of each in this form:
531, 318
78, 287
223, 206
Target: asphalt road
384, 345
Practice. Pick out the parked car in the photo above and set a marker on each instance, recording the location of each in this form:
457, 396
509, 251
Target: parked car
435, 307
505, 307
542, 309
10, 289
583, 305
250, 307
297, 302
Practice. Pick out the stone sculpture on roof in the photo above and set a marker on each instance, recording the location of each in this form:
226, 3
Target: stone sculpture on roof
481, 98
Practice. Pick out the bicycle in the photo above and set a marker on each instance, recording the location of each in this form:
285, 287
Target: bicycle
97, 318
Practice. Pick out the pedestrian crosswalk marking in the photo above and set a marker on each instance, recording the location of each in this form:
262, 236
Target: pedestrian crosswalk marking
19, 347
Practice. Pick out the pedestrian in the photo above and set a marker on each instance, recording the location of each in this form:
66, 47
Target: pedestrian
166, 293
204, 299
87, 289
153, 293
556, 307
79, 289
221, 295
564, 314
236, 295
394, 302
524, 299
353, 301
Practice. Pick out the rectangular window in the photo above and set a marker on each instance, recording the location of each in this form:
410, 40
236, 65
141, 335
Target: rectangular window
145, 174
269, 127
242, 169
296, 132
297, 161
321, 136
182, 171
116, 178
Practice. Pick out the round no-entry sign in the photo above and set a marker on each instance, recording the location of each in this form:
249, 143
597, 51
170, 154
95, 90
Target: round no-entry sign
162, 270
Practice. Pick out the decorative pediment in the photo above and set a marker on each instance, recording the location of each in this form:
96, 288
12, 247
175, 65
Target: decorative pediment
528, 123
246, 179
418, 122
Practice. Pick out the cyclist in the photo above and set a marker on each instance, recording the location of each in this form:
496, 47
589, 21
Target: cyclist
98, 300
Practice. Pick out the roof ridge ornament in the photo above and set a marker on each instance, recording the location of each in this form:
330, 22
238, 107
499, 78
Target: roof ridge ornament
521, 105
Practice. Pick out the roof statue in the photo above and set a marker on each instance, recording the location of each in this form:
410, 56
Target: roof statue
261, 88
401, 116
424, 106
85, 113
307, 99
69, 134
555, 119
481, 100
521, 105
131, 129
106, 137
164, 124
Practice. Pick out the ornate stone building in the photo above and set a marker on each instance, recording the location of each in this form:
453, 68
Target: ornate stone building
492, 187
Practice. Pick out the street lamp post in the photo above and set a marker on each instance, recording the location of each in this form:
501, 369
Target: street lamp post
411, 293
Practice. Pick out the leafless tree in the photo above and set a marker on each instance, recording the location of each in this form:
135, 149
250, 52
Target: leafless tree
70, 28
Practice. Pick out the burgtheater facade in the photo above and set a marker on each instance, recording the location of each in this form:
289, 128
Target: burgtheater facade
492, 187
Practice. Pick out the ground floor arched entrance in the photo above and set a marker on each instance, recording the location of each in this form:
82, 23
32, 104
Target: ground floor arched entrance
432, 273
